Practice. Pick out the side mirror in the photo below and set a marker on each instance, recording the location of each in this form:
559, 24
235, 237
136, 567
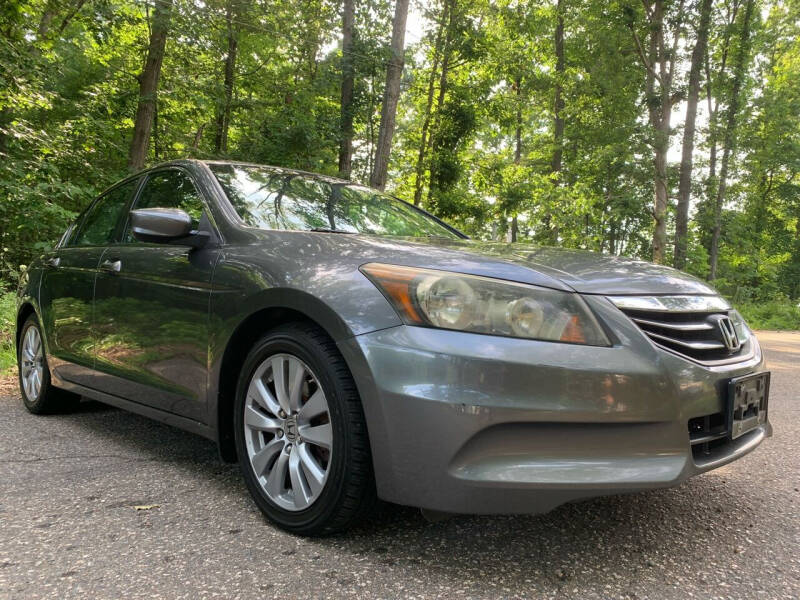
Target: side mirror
165, 226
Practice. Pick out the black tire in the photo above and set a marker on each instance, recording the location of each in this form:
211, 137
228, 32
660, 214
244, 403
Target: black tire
349, 493
50, 399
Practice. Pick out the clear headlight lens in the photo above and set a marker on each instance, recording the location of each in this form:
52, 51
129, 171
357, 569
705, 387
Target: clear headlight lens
448, 300
742, 330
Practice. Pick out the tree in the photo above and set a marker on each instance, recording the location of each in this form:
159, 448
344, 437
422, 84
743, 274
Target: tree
394, 72
685, 176
346, 130
419, 171
148, 84
558, 108
223, 118
659, 62
536, 122
729, 136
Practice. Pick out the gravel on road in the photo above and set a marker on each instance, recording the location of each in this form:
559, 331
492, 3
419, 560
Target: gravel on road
106, 504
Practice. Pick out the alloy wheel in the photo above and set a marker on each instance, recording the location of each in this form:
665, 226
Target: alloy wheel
287, 431
32, 363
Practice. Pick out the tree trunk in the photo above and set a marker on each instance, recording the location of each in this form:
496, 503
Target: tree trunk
229, 79
148, 84
419, 171
513, 234
712, 135
661, 124
391, 95
713, 106
46, 20
348, 77
685, 183
197, 137
558, 103
69, 16
558, 119
440, 97
729, 137
156, 153
659, 108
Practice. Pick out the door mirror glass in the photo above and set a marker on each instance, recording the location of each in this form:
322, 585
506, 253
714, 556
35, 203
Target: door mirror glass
160, 225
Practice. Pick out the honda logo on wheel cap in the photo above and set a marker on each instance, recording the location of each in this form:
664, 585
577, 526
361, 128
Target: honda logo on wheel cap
727, 332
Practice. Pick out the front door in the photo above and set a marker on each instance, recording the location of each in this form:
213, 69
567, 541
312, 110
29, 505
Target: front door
67, 287
151, 309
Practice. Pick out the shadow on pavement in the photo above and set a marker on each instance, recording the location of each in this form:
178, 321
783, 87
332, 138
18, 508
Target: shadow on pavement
625, 532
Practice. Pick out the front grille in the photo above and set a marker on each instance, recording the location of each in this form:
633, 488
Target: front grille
692, 334
697, 327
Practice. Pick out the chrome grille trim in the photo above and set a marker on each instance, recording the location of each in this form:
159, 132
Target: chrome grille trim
691, 345
672, 304
684, 325
675, 326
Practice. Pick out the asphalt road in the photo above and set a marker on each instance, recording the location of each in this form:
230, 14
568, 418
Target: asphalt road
69, 528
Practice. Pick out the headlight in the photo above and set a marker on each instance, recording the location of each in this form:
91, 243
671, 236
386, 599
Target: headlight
446, 300
742, 330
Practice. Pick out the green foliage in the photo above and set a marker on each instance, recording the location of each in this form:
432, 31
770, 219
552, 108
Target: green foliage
480, 79
774, 315
8, 313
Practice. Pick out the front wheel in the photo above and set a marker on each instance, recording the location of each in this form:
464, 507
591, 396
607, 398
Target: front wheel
300, 433
38, 393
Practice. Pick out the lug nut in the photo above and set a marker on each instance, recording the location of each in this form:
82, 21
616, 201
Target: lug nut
280, 433
288, 448
281, 414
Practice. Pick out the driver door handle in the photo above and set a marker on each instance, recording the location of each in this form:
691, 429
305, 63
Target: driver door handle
54, 261
111, 266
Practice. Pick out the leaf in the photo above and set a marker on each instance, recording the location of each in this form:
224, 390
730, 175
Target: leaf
146, 506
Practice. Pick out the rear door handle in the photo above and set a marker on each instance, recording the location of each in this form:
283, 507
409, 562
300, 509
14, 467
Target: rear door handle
54, 261
111, 266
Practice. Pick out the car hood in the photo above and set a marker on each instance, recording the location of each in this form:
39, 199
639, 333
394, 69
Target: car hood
583, 271
559, 268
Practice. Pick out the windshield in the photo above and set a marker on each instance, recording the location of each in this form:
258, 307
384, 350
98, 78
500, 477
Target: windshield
269, 198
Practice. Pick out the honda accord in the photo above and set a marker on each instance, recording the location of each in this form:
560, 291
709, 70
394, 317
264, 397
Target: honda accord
343, 346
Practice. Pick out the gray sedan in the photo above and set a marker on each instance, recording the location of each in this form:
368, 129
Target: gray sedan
344, 346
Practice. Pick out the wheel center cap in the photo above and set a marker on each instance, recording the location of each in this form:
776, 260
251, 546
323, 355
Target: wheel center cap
290, 429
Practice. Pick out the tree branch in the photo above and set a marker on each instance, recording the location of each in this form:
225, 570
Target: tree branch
676, 36
640, 52
647, 11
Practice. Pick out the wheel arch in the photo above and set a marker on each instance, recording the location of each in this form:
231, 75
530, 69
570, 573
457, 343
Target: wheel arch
25, 310
278, 310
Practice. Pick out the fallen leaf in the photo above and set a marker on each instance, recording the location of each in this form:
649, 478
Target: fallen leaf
146, 506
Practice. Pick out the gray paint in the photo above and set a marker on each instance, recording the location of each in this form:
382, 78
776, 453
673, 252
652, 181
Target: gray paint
457, 422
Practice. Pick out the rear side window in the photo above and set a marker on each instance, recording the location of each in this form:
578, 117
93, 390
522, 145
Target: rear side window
170, 189
100, 222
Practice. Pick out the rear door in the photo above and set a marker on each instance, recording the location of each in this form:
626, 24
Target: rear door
67, 288
151, 308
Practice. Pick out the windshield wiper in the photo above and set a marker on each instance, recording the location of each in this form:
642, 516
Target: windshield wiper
329, 230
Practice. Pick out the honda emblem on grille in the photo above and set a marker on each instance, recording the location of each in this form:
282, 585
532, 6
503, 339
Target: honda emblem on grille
727, 332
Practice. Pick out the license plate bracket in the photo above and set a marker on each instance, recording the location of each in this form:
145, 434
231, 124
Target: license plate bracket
748, 397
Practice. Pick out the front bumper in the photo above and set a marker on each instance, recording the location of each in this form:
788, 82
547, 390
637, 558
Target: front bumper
467, 423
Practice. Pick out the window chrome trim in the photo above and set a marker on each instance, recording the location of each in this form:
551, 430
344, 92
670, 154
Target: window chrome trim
673, 304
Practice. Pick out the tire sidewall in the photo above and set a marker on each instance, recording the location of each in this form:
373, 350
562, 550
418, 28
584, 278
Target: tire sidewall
306, 349
35, 404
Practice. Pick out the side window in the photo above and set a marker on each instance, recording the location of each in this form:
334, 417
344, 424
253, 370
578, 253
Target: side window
67, 235
100, 222
170, 189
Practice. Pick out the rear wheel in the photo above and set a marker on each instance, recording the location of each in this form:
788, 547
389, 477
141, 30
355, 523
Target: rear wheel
300, 433
38, 393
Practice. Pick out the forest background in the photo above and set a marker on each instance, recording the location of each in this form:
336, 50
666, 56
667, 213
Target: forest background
662, 129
